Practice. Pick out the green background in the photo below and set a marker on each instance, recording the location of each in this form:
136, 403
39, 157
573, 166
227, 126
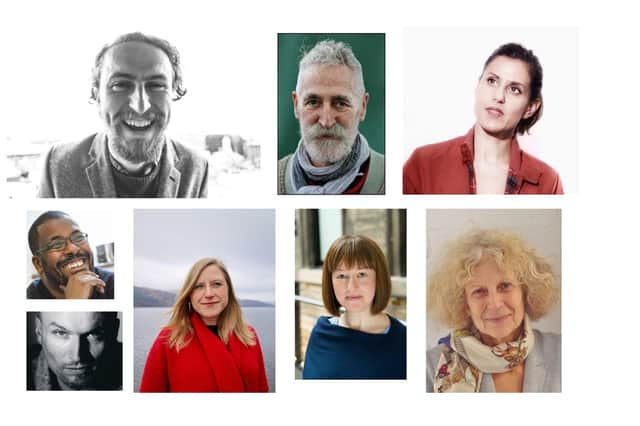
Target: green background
368, 48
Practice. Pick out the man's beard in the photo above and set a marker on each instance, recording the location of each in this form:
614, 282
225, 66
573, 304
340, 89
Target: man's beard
55, 275
137, 151
327, 145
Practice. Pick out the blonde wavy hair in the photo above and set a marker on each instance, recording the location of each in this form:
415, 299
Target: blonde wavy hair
229, 321
446, 299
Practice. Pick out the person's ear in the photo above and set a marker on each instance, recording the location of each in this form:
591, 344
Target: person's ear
37, 263
294, 99
38, 329
363, 111
532, 108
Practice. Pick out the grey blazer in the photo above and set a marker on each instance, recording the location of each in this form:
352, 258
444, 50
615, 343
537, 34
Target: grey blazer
542, 368
83, 170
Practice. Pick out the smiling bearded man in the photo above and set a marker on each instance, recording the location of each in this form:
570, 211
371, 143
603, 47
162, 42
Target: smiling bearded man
63, 258
135, 80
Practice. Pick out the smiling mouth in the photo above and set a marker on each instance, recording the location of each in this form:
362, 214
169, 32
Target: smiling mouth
138, 124
498, 319
74, 265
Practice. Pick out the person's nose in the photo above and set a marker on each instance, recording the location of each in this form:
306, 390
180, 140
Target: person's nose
351, 283
209, 292
139, 99
499, 94
495, 300
74, 349
327, 116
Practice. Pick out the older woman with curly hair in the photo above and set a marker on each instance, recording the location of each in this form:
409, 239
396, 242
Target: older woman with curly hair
488, 288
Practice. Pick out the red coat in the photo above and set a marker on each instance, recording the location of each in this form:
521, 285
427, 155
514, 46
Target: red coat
204, 365
447, 168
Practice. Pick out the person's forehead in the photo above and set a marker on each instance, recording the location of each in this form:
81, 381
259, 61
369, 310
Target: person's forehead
335, 80
59, 227
509, 69
487, 268
138, 59
211, 272
78, 322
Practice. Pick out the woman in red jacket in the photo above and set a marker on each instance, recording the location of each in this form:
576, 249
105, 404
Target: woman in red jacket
488, 159
206, 347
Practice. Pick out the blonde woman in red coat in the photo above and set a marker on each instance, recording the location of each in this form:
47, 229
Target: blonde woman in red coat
207, 346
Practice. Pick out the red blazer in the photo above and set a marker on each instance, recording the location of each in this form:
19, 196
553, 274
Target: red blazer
447, 168
204, 365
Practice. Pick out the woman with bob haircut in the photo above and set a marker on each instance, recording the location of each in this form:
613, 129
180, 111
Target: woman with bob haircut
360, 341
488, 288
207, 346
488, 159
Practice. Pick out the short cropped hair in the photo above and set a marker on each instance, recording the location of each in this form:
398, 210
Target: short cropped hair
330, 52
446, 299
517, 51
360, 252
44, 217
170, 50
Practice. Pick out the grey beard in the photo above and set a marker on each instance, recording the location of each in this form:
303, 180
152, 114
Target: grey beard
136, 152
332, 150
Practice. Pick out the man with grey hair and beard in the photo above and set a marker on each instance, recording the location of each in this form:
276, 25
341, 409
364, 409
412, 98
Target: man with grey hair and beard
135, 79
330, 100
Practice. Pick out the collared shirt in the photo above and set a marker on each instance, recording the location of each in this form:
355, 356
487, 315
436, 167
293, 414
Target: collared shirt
447, 168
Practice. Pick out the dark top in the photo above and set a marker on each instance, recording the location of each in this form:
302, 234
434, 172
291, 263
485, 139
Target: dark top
37, 289
108, 375
336, 352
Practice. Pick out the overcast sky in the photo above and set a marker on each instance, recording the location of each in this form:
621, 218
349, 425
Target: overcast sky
168, 242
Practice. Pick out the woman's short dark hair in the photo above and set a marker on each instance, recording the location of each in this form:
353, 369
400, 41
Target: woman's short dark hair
360, 252
517, 51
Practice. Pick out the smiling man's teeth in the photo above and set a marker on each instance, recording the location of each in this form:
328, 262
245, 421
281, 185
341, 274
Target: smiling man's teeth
74, 265
138, 123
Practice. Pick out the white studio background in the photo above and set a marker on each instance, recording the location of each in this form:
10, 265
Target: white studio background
540, 229
599, 216
442, 68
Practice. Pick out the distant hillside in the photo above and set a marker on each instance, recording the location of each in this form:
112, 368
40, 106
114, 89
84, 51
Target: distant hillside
148, 297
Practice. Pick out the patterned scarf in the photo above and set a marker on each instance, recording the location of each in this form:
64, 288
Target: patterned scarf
335, 178
466, 358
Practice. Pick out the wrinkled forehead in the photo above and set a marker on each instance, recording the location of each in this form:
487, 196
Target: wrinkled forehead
74, 322
54, 228
136, 59
329, 80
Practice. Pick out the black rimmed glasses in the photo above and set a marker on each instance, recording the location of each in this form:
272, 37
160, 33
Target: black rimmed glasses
60, 243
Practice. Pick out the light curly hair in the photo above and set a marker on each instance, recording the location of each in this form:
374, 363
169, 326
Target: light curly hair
446, 301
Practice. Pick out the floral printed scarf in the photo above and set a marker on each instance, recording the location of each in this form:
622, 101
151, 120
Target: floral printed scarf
465, 358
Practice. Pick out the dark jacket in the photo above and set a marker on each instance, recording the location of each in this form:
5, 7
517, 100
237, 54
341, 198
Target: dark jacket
37, 289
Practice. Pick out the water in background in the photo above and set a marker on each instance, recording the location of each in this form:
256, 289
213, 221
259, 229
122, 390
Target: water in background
149, 321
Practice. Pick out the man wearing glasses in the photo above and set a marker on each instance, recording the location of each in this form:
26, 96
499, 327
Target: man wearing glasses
62, 256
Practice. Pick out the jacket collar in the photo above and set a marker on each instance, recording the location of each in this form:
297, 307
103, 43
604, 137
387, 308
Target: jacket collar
100, 176
520, 170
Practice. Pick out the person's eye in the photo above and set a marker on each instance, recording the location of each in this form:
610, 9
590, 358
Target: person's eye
478, 292
491, 81
157, 86
341, 276
59, 333
217, 284
97, 335
505, 286
362, 274
312, 102
77, 238
120, 86
199, 285
516, 90
56, 244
